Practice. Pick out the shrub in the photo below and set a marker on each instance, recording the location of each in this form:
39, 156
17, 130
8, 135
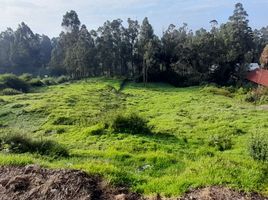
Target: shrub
22, 144
62, 79
10, 91
258, 147
36, 82
49, 81
131, 123
258, 95
221, 142
26, 77
218, 91
12, 81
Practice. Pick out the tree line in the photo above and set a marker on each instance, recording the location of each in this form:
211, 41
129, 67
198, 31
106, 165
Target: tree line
180, 56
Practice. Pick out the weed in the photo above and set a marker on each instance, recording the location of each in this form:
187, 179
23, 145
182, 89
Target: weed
221, 142
258, 147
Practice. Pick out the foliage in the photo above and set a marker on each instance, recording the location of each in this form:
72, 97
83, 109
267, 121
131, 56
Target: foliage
26, 77
49, 81
258, 147
14, 82
22, 144
168, 163
264, 57
62, 79
180, 57
22, 51
218, 91
221, 141
258, 95
36, 82
131, 123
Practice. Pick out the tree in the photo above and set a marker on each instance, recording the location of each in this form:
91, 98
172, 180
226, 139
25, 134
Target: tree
105, 46
25, 50
6, 42
264, 58
237, 47
80, 58
132, 33
45, 50
147, 40
64, 48
71, 22
241, 38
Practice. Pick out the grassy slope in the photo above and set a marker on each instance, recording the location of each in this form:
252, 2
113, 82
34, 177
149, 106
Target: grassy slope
170, 162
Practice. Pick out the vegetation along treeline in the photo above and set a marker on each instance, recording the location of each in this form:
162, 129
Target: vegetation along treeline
180, 56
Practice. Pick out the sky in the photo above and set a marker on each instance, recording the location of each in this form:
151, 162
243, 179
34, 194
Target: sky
45, 16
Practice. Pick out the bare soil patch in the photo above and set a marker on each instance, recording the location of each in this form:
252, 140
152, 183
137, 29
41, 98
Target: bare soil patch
220, 193
33, 182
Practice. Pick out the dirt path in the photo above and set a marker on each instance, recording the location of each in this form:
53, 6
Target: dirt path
33, 182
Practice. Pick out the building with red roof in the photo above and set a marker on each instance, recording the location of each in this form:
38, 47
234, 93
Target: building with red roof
259, 76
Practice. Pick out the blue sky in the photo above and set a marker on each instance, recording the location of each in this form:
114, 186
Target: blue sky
45, 16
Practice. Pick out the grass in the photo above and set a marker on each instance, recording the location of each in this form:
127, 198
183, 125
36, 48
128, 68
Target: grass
182, 151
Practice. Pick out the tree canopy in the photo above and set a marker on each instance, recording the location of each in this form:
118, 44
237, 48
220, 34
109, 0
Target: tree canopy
180, 56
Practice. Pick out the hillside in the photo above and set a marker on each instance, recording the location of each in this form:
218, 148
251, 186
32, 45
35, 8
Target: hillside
199, 135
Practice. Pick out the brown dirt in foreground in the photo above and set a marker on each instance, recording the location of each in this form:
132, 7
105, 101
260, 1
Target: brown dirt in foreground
33, 182
220, 193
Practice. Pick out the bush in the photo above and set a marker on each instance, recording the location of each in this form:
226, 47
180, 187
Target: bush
10, 91
26, 77
12, 81
221, 142
258, 95
22, 144
258, 147
132, 123
218, 91
62, 79
36, 82
49, 81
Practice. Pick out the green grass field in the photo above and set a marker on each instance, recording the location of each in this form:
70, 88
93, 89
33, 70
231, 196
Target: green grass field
199, 138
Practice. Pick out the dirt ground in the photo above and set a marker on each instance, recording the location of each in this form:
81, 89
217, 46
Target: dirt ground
33, 182
220, 193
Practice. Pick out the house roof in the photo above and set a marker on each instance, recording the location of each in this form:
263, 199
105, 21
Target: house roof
259, 76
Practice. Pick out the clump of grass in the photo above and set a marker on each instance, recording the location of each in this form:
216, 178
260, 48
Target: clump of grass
98, 129
258, 147
22, 144
63, 121
221, 142
10, 91
130, 123
218, 91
